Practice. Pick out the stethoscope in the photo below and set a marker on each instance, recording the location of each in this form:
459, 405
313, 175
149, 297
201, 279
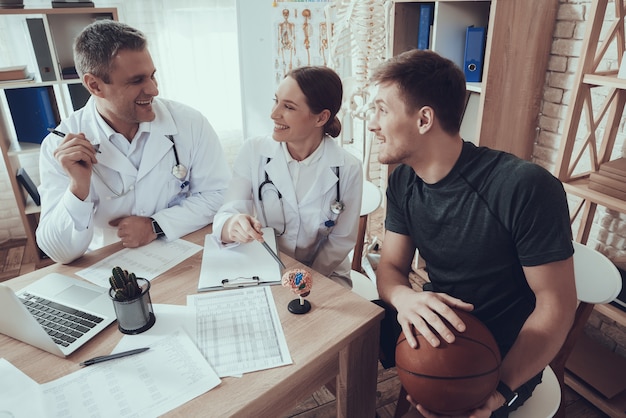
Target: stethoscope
336, 207
179, 171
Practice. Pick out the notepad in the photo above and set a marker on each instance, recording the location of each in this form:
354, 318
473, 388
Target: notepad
238, 266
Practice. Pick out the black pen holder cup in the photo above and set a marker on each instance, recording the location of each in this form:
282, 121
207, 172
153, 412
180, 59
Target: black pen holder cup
136, 315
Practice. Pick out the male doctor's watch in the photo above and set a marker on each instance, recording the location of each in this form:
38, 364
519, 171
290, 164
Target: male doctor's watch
156, 228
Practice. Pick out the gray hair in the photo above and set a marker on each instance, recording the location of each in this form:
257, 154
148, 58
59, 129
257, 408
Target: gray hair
97, 45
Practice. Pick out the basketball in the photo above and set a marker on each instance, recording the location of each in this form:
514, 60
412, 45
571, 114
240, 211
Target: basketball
452, 378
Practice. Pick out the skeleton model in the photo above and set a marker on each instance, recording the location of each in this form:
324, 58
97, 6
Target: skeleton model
324, 40
360, 37
286, 42
306, 28
358, 44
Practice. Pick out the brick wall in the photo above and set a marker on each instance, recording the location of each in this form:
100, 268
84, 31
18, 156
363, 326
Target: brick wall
608, 234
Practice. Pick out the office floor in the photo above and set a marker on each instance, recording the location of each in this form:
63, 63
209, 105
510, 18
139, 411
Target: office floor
14, 261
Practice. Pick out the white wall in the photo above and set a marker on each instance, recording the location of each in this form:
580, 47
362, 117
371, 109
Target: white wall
255, 62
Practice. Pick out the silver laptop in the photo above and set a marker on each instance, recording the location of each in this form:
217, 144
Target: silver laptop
56, 313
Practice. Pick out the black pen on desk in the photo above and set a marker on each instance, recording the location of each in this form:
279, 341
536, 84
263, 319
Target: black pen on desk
269, 250
100, 359
62, 135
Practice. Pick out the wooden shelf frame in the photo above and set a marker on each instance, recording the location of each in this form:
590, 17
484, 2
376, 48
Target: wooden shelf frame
588, 141
587, 78
574, 165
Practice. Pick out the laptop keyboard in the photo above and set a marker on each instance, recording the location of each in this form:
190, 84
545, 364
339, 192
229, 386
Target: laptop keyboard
64, 324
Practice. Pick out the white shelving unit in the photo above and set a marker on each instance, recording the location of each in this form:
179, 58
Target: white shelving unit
60, 26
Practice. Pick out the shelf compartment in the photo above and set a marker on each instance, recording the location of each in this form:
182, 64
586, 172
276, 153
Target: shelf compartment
605, 81
580, 188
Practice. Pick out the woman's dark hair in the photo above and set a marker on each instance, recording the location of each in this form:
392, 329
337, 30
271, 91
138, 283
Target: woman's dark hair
323, 90
425, 78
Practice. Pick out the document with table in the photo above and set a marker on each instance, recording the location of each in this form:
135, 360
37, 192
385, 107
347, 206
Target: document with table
239, 331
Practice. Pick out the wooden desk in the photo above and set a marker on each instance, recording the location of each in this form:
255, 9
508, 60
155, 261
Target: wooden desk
337, 339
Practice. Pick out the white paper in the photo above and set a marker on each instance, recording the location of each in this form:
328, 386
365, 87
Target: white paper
169, 318
20, 396
171, 373
148, 261
239, 331
240, 262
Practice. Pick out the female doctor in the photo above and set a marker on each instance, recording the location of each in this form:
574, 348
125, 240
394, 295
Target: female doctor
298, 181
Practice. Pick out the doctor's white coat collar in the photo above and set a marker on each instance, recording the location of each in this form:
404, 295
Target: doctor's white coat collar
278, 172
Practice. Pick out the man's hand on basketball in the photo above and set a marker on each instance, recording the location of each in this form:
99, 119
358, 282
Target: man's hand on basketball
419, 313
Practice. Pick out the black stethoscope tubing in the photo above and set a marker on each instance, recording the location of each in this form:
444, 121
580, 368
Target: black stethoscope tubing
336, 207
179, 171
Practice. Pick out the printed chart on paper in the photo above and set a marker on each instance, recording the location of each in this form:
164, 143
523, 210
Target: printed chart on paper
238, 331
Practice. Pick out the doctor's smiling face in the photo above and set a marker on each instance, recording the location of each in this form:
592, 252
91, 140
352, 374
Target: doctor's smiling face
126, 99
294, 122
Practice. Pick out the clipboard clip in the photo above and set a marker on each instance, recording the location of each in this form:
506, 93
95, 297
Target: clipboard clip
241, 282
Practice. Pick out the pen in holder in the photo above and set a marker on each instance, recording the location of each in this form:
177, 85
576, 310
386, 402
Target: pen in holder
131, 301
300, 282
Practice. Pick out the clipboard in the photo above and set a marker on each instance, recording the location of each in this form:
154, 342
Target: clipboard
238, 266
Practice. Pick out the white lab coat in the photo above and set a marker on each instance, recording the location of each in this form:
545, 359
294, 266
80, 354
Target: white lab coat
68, 226
305, 220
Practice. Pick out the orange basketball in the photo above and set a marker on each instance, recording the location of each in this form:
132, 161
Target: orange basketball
452, 378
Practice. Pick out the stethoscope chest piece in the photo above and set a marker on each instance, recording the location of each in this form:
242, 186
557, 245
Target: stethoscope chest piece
337, 207
179, 171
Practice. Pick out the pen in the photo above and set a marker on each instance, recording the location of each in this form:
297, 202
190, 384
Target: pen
62, 135
269, 250
100, 359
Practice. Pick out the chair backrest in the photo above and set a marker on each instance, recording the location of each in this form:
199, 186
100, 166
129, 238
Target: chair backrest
597, 281
597, 278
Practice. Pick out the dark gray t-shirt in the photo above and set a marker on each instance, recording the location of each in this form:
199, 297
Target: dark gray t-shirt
476, 228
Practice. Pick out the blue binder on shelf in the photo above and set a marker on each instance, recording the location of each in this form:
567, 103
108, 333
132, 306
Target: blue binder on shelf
32, 113
425, 25
474, 53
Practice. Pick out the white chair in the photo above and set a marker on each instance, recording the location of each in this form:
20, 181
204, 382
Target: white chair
372, 199
545, 401
597, 281
361, 284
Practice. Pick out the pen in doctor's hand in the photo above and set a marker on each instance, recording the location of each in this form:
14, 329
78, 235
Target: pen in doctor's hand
100, 359
62, 135
269, 250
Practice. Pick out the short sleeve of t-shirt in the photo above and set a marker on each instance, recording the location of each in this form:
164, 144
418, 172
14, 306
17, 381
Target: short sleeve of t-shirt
399, 183
532, 205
